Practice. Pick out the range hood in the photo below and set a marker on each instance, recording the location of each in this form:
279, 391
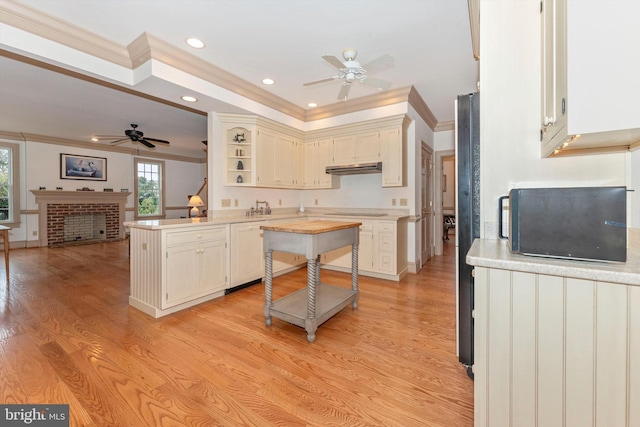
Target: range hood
354, 169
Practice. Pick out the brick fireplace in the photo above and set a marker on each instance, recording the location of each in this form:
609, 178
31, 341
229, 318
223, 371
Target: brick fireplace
103, 212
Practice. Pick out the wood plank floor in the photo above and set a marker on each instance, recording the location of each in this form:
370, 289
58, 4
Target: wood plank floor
68, 335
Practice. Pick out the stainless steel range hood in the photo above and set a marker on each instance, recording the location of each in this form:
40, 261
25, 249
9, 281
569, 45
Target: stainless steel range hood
355, 168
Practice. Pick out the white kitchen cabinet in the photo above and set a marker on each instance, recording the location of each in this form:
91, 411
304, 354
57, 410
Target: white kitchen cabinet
238, 133
317, 156
195, 264
381, 251
266, 155
392, 153
589, 78
356, 148
247, 256
553, 129
175, 268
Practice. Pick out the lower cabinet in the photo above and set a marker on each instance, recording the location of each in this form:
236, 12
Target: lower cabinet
247, 253
175, 268
381, 250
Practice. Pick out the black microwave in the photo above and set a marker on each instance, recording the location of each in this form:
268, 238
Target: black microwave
583, 223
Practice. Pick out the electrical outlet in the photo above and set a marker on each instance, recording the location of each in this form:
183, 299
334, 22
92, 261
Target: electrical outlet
225, 203
393, 202
235, 203
35, 233
403, 202
144, 246
279, 202
316, 202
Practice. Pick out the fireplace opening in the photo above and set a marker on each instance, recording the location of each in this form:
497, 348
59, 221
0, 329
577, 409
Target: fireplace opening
84, 228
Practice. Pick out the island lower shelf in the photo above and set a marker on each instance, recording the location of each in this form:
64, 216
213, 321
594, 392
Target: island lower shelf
330, 300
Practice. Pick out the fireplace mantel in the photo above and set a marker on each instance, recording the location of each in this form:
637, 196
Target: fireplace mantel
44, 198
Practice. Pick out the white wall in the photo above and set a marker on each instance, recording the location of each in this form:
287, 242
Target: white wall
510, 114
40, 167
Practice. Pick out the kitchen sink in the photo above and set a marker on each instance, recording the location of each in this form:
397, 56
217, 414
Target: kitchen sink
357, 214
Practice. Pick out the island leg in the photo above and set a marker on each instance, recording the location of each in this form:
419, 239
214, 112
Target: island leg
268, 286
310, 322
354, 273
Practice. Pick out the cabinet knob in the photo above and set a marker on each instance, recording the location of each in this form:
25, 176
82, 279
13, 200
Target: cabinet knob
199, 236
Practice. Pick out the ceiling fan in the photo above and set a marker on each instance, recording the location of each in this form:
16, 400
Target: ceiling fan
350, 70
134, 135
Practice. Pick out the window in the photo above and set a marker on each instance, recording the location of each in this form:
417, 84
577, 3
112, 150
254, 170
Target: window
9, 184
149, 188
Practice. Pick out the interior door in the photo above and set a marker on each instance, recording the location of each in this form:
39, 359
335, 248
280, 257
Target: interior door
426, 200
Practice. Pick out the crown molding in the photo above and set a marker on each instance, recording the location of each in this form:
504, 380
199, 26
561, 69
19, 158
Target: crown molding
30, 137
442, 126
421, 107
146, 47
49, 27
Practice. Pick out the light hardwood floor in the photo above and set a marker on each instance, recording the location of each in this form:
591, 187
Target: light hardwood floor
68, 335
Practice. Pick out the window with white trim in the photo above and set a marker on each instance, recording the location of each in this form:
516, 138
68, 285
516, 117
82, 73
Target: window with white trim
149, 188
9, 184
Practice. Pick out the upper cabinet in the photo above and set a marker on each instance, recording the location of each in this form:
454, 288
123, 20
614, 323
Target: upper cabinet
589, 77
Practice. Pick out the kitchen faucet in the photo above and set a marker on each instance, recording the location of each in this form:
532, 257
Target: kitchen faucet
266, 210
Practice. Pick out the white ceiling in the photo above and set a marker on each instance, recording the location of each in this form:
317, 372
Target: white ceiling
253, 39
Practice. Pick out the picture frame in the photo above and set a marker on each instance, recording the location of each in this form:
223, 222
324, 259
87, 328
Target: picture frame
85, 168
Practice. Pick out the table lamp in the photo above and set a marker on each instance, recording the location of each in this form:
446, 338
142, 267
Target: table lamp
194, 202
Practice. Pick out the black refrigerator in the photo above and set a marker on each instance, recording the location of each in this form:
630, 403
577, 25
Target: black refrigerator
467, 215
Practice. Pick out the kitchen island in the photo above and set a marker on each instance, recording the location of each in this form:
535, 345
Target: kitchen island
310, 307
556, 341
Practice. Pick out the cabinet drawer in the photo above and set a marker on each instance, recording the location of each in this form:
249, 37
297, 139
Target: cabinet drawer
182, 237
387, 242
386, 226
366, 226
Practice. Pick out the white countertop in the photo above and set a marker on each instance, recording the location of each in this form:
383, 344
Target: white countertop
159, 224
496, 254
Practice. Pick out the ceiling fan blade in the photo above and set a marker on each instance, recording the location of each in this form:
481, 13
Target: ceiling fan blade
315, 82
107, 136
157, 140
119, 140
144, 141
333, 61
385, 61
377, 83
344, 91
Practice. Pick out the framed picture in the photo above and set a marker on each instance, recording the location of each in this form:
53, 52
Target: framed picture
83, 167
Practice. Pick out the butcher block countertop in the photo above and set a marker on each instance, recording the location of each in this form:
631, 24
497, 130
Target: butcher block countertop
310, 227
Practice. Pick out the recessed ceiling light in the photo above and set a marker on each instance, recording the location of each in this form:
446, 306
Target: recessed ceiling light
195, 43
268, 81
94, 139
189, 98
312, 104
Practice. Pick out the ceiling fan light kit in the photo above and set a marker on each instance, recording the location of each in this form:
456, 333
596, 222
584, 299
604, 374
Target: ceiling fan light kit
350, 70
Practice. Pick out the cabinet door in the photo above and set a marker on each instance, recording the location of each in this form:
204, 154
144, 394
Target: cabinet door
367, 147
213, 266
365, 249
554, 74
181, 274
344, 150
266, 154
391, 154
310, 161
322, 160
247, 256
298, 164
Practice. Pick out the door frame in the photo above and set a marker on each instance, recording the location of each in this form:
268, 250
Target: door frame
438, 234
428, 222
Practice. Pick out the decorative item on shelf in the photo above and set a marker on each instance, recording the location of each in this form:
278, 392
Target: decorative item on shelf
239, 152
108, 190
239, 179
85, 189
195, 202
240, 165
42, 188
239, 138
59, 188
124, 190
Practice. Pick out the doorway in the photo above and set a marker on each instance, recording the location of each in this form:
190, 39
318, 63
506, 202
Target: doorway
426, 203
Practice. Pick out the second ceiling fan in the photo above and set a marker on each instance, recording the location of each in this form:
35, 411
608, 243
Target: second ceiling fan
350, 70
134, 135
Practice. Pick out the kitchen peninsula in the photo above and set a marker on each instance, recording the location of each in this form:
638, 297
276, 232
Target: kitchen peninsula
557, 341
178, 263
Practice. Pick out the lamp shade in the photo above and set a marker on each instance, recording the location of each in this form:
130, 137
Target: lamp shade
194, 202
